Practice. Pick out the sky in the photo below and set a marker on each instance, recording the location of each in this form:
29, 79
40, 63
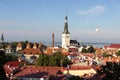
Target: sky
36, 20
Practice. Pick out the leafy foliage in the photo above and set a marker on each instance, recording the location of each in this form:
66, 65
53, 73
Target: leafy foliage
11, 57
111, 71
84, 50
57, 59
106, 55
89, 50
118, 53
2, 62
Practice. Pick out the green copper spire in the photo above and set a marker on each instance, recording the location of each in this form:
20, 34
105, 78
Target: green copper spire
66, 26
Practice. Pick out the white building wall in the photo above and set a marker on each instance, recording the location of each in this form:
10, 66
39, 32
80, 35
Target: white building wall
65, 40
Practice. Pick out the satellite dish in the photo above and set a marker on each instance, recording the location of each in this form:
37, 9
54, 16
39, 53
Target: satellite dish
97, 30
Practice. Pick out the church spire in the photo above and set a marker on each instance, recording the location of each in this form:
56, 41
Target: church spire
2, 38
66, 26
2, 46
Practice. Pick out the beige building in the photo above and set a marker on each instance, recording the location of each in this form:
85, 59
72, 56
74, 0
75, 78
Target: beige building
79, 70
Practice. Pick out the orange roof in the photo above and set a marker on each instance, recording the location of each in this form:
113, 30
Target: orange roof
31, 51
113, 59
51, 50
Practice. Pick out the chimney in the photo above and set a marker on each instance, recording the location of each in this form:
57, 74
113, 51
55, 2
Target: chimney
52, 39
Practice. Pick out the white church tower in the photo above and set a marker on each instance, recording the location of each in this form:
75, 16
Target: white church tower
65, 35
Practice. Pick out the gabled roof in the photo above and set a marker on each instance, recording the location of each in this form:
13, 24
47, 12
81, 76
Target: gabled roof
19, 44
74, 41
28, 46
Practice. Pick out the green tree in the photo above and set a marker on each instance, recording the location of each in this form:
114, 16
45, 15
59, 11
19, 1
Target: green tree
66, 61
118, 53
40, 60
111, 71
84, 50
10, 57
57, 59
2, 62
52, 61
106, 55
91, 49
46, 60
14, 44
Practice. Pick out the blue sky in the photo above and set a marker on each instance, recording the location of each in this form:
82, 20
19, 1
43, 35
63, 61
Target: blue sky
36, 20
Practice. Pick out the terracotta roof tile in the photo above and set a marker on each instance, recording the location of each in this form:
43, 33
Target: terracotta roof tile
37, 71
31, 51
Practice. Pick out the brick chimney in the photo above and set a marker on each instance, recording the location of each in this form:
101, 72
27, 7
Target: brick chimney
52, 39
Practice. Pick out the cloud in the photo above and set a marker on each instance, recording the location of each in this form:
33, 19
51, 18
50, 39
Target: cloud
96, 10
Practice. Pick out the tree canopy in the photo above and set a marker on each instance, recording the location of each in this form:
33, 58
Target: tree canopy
111, 71
118, 53
88, 50
57, 59
2, 62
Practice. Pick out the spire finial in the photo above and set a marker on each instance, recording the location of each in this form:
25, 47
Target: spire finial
66, 16
66, 26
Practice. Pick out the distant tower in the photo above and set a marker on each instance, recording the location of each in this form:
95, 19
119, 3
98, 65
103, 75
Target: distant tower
2, 38
66, 35
2, 47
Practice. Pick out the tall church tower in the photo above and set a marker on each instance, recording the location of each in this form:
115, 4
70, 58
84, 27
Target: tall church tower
65, 35
2, 42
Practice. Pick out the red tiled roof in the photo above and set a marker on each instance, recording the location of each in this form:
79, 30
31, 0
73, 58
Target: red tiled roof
10, 66
117, 46
37, 71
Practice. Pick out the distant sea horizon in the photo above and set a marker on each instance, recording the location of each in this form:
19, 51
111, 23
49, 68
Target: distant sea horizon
96, 44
